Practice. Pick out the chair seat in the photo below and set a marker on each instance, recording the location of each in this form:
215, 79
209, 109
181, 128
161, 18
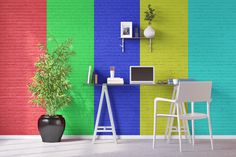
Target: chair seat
193, 116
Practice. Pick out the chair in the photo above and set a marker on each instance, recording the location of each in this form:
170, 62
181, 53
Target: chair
192, 91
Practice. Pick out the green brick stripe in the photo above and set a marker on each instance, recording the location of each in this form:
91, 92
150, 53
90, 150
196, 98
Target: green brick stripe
75, 19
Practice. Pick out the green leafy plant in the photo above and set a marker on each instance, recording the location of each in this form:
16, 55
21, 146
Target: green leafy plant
150, 14
50, 86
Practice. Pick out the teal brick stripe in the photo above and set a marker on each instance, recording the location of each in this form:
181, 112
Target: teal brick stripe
212, 56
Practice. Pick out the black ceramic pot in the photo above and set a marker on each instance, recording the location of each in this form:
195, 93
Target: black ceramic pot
51, 128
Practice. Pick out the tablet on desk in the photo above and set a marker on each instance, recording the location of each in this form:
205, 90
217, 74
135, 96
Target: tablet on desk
142, 75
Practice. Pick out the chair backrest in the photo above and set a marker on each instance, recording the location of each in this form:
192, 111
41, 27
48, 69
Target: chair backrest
194, 91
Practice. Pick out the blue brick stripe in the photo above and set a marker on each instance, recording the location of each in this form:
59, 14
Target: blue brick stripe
125, 100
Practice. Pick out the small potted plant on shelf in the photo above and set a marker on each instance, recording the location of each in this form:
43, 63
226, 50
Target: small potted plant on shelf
50, 89
150, 14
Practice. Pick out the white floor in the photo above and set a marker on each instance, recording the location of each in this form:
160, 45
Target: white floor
106, 148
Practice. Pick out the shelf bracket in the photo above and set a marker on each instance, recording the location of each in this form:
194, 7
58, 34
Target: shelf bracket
150, 44
122, 44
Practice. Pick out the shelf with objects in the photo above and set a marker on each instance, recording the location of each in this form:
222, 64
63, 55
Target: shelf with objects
126, 33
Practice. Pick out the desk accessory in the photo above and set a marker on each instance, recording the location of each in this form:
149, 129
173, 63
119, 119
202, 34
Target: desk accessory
136, 33
115, 80
95, 78
112, 71
171, 81
175, 81
89, 74
162, 82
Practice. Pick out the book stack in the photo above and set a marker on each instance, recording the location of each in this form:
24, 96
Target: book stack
115, 80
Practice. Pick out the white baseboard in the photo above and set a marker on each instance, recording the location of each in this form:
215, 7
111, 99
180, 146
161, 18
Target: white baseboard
87, 137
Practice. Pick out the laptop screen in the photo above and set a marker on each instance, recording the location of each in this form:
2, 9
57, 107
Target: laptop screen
142, 74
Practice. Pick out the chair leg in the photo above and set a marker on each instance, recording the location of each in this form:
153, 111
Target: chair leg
187, 126
170, 120
168, 125
183, 121
171, 123
179, 128
210, 131
193, 135
209, 124
154, 126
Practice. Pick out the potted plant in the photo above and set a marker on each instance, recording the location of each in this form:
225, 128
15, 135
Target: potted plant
150, 14
50, 89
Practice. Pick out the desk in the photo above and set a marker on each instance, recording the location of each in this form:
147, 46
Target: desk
105, 94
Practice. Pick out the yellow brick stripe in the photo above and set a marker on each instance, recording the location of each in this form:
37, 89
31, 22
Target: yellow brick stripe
169, 55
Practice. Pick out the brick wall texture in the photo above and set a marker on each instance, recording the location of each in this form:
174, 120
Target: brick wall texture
193, 39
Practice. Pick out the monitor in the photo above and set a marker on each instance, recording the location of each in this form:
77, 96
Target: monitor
142, 75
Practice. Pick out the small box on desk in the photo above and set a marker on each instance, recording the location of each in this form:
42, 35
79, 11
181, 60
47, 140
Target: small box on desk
115, 80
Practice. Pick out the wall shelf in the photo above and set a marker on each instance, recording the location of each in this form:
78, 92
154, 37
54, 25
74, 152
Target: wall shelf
135, 38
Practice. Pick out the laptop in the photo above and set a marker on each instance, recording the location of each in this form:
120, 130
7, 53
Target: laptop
142, 74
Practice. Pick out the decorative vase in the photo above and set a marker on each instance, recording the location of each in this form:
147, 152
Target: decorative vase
149, 32
51, 128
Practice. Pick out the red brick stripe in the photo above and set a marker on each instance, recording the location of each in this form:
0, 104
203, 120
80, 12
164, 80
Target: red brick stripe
22, 27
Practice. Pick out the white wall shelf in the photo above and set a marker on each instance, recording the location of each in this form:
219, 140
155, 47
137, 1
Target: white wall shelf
135, 38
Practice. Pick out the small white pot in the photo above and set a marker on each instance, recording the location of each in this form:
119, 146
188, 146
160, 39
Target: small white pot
149, 32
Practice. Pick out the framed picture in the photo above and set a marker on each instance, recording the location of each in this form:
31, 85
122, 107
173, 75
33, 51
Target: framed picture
126, 30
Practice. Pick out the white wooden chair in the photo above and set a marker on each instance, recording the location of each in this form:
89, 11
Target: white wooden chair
192, 91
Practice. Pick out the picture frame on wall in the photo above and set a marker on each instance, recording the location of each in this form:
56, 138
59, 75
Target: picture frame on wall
126, 30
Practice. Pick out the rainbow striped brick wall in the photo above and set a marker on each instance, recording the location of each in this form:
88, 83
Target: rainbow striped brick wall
194, 39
